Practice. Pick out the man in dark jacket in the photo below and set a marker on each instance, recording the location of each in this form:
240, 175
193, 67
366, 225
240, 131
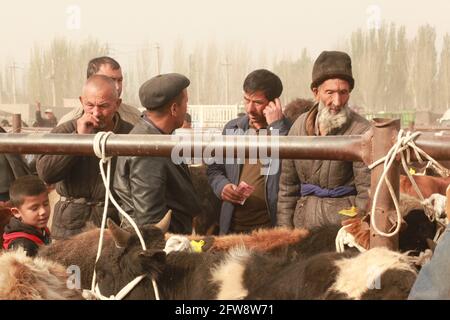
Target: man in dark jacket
77, 178
150, 186
320, 192
262, 90
12, 166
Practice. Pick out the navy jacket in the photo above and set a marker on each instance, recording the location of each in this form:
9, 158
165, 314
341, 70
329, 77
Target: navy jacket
220, 175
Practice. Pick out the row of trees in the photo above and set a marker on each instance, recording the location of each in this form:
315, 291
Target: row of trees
392, 72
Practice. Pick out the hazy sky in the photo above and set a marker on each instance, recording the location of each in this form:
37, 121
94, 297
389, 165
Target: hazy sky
282, 26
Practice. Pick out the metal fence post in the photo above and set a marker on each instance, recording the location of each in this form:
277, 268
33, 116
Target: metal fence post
16, 123
385, 133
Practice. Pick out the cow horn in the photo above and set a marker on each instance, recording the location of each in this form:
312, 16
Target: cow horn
165, 222
119, 235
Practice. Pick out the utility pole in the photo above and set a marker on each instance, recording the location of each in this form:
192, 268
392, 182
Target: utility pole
227, 84
193, 70
158, 71
13, 76
1, 89
52, 78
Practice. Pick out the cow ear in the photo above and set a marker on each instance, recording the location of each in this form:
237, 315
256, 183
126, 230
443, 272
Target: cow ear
119, 235
152, 261
165, 222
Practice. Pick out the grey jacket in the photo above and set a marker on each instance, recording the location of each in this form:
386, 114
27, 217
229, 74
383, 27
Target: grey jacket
78, 179
150, 186
311, 211
220, 175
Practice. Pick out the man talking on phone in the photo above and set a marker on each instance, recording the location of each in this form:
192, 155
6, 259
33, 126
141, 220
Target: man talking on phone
249, 196
77, 178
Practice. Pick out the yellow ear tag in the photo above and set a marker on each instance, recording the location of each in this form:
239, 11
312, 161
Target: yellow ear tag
412, 171
196, 246
352, 212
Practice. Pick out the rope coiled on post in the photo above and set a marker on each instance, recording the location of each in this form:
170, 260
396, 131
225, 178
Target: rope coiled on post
405, 142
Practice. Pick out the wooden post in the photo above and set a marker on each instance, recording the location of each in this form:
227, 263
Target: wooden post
16, 123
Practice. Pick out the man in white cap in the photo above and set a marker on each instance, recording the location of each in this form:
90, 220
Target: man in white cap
48, 122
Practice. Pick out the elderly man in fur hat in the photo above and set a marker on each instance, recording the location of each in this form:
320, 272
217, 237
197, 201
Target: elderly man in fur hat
320, 192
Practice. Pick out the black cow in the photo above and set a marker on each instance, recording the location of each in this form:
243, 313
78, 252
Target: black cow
241, 273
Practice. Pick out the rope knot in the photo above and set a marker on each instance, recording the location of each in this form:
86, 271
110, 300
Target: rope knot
99, 145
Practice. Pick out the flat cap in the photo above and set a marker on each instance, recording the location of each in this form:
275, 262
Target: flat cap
160, 90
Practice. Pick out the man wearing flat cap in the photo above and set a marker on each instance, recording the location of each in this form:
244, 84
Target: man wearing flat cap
320, 192
150, 186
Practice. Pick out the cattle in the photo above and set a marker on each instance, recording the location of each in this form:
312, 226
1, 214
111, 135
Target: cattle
207, 221
427, 185
377, 274
428, 169
297, 107
244, 274
81, 249
416, 234
279, 241
26, 278
262, 240
5, 216
289, 244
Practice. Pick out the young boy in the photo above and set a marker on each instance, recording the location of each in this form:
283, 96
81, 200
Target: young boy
31, 210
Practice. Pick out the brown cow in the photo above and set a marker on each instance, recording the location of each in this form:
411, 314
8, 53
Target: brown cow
415, 234
428, 185
25, 278
263, 240
296, 108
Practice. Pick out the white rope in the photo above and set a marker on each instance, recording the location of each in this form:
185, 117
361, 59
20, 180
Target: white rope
99, 146
122, 293
405, 142
177, 243
344, 238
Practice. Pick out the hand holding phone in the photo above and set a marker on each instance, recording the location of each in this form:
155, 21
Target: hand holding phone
273, 112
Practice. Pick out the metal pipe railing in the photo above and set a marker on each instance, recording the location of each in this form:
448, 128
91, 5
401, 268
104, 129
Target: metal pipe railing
327, 148
346, 148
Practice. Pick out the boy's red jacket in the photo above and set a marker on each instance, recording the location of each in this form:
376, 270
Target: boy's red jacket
20, 234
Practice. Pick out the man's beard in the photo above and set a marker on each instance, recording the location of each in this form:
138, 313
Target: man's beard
329, 122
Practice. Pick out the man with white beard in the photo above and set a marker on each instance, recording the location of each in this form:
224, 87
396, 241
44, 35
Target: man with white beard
320, 192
